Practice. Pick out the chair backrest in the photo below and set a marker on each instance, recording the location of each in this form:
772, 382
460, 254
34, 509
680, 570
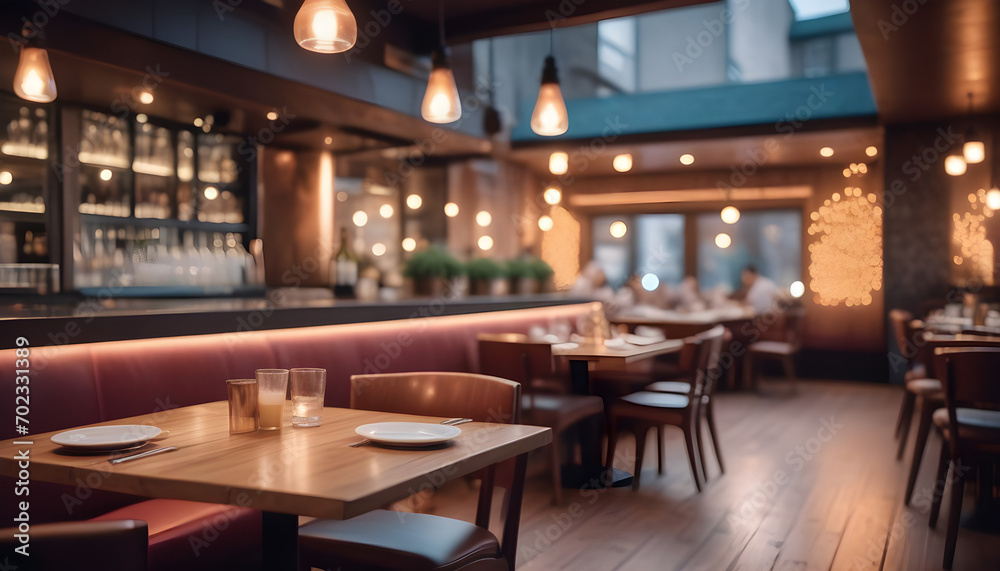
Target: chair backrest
468, 395
899, 319
480, 397
512, 356
935, 366
709, 355
969, 381
122, 545
792, 320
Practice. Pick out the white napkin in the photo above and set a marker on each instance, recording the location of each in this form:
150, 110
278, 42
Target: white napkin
565, 346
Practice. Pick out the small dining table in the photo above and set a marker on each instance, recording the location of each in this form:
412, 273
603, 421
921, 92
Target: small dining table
284, 473
582, 358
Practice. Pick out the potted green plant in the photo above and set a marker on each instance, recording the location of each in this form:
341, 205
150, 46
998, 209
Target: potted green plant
543, 274
431, 271
484, 273
522, 280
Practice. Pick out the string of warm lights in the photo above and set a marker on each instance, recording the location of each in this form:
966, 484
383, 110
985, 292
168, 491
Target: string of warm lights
846, 260
975, 251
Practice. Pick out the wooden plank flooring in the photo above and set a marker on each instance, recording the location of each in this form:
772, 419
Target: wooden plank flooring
811, 484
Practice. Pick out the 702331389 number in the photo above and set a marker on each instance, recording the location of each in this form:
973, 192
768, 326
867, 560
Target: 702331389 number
22, 390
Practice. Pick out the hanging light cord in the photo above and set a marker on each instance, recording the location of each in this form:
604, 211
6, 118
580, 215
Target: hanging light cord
552, 35
489, 88
441, 21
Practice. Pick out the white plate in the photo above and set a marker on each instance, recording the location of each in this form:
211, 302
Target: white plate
106, 437
408, 433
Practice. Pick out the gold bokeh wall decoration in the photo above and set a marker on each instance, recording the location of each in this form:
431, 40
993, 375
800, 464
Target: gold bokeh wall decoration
561, 247
972, 251
845, 257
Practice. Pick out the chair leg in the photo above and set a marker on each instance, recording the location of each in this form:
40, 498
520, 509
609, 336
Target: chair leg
789, 364
923, 428
659, 449
749, 378
612, 443
700, 441
939, 483
557, 471
955, 513
905, 410
710, 418
909, 401
640, 451
692, 455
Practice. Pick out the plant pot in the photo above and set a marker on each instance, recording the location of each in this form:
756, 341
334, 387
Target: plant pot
498, 286
429, 287
479, 287
526, 286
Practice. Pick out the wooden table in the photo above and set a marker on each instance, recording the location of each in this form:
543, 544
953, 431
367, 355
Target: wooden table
678, 325
284, 473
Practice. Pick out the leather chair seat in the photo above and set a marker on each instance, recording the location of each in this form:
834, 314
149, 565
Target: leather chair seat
973, 424
772, 348
225, 530
559, 410
926, 387
393, 540
917, 372
676, 387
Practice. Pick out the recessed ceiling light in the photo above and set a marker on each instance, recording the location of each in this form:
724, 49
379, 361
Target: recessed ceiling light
272, 116
687, 159
622, 163
826, 152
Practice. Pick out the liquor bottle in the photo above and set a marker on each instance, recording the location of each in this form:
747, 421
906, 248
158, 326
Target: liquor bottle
345, 268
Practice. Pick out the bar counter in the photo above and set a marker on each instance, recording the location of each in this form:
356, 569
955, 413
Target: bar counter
88, 320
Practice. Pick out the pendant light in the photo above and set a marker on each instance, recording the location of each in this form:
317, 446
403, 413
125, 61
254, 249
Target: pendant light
550, 117
325, 26
973, 150
33, 79
730, 214
441, 103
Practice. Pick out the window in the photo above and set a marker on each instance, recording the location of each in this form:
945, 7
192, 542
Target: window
771, 240
652, 244
616, 58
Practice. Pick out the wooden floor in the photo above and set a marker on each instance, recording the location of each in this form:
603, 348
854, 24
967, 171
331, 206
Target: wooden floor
811, 483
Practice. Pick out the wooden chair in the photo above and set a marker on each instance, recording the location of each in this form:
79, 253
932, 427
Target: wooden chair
80, 545
514, 357
644, 410
916, 383
706, 410
784, 351
392, 541
970, 426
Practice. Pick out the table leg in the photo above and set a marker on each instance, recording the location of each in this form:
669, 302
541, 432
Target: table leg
280, 541
590, 473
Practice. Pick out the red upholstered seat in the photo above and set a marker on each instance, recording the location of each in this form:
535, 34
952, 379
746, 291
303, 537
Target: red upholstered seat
381, 540
195, 535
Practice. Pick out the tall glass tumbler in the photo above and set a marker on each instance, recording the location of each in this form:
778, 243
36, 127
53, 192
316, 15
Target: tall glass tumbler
271, 387
308, 393
243, 415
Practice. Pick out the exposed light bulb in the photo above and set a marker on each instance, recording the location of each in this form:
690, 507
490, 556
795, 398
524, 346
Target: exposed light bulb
974, 152
871, 151
687, 159
730, 214
723, 240
409, 244
550, 117
483, 218
414, 201
558, 162
993, 198
485, 243
378, 248
955, 165
360, 218
622, 163
211, 193
618, 229
451, 210
441, 103
552, 195
146, 97
385, 211
826, 152
33, 79
325, 26
545, 223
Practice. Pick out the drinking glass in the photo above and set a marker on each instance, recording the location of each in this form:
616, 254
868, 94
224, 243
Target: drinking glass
308, 392
243, 415
271, 387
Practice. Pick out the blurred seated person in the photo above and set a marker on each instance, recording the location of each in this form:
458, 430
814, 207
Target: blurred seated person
592, 283
758, 291
688, 297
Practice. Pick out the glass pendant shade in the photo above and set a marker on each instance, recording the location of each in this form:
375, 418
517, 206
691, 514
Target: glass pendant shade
441, 103
974, 151
325, 26
550, 117
730, 215
33, 79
